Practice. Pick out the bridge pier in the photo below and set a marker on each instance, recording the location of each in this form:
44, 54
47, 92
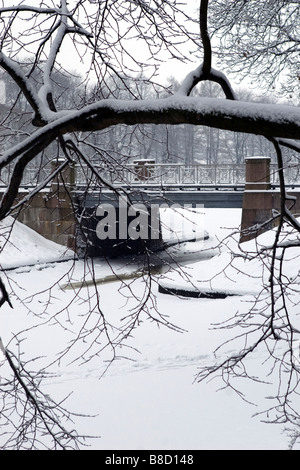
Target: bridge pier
51, 212
260, 202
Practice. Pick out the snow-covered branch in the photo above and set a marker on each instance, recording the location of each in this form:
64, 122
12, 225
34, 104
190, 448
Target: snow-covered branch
45, 92
17, 74
263, 119
29, 8
197, 75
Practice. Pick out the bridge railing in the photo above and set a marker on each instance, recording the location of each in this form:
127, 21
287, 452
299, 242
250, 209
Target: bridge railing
145, 173
32, 176
159, 174
169, 174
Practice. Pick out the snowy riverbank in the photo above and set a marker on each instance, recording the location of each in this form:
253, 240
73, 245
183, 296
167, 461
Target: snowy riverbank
150, 401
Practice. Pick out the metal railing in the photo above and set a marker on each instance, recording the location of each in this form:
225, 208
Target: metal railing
168, 175
157, 174
32, 176
200, 175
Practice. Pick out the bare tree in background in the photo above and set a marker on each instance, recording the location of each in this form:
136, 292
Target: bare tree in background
260, 40
102, 36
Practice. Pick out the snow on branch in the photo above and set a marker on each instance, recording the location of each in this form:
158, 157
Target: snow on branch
262, 119
198, 75
16, 73
30, 8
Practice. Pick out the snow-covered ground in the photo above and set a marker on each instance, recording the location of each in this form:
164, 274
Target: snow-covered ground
21, 246
150, 401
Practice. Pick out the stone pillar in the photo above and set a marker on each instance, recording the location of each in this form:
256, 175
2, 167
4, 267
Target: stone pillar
143, 168
258, 199
257, 173
51, 212
60, 210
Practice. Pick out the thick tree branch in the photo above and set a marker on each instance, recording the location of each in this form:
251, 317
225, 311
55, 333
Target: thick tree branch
261, 119
31, 9
205, 71
266, 120
46, 92
197, 76
5, 296
16, 73
42, 102
206, 67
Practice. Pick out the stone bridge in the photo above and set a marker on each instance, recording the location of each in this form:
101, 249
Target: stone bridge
252, 187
